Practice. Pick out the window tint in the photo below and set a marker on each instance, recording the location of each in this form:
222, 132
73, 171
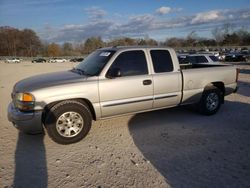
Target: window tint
183, 59
131, 63
201, 59
192, 59
162, 61
94, 63
214, 59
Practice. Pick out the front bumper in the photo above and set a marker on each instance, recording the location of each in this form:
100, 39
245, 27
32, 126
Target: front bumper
29, 122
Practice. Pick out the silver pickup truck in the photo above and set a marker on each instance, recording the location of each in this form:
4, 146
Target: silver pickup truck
112, 82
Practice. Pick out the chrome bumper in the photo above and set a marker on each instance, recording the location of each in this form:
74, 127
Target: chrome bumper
29, 122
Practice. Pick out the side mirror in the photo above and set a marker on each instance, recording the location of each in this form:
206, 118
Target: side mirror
113, 73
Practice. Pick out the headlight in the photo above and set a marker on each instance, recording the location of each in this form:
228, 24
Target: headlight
24, 101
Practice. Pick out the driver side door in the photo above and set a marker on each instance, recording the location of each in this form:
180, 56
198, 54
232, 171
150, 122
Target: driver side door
132, 88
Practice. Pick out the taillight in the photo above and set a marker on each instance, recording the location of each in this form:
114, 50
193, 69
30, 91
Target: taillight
237, 74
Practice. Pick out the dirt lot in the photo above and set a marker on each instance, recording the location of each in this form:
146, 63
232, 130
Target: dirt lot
168, 148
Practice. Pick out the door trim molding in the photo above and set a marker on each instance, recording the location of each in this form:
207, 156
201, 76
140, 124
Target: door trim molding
126, 101
157, 97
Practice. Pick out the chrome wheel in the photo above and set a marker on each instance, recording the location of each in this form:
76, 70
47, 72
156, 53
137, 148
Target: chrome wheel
69, 124
212, 101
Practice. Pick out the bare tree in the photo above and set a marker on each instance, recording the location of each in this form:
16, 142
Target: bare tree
67, 49
92, 44
16, 42
54, 50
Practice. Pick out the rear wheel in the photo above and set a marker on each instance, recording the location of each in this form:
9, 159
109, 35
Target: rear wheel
210, 101
68, 122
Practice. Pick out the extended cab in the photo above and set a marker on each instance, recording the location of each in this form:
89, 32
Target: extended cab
115, 81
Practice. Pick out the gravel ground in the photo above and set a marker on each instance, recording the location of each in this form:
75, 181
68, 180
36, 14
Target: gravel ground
167, 148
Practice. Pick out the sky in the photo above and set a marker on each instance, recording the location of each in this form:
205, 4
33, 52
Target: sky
76, 20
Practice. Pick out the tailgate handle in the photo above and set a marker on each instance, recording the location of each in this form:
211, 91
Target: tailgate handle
147, 82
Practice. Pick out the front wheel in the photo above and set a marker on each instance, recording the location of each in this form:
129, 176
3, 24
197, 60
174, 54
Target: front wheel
68, 122
210, 101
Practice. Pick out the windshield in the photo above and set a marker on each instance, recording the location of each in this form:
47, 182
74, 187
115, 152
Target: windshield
95, 62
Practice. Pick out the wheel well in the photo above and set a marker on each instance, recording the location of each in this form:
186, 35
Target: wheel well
219, 85
83, 101
90, 106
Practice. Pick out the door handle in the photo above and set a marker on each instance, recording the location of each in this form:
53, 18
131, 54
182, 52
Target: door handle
147, 82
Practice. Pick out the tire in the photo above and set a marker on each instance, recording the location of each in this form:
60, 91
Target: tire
210, 101
61, 122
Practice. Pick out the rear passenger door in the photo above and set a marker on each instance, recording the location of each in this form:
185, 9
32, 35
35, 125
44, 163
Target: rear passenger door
167, 82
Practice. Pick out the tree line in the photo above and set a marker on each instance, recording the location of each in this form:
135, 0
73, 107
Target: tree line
15, 42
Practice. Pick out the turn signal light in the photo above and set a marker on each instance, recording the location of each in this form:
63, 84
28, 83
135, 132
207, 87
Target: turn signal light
27, 97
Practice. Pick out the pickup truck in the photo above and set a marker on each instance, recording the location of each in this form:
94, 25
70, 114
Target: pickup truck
197, 58
112, 82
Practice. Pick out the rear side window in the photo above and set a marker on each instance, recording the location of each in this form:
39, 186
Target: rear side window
192, 59
183, 59
162, 61
201, 59
213, 58
131, 63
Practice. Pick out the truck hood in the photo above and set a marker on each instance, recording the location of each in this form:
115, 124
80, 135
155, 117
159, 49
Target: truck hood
48, 80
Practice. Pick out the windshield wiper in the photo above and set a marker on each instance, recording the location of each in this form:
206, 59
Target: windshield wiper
80, 71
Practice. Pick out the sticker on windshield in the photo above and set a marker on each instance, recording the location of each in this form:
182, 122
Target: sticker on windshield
106, 54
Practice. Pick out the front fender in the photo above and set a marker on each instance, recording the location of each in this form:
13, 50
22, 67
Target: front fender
85, 90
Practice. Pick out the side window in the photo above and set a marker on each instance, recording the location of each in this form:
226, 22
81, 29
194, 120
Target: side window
183, 59
162, 61
214, 58
192, 59
201, 59
131, 63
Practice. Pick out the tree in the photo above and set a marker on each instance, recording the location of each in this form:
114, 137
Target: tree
10, 40
126, 41
206, 42
16, 42
31, 44
54, 50
67, 49
231, 39
151, 42
192, 39
92, 44
217, 34
174, 42
244, 36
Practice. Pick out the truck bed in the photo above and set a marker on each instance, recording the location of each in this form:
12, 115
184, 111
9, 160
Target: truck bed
198, 76
201, 65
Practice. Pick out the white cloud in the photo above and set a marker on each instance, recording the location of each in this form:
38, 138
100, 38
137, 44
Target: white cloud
246, 15
95, 13
163, 10
140, 25
206, 17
